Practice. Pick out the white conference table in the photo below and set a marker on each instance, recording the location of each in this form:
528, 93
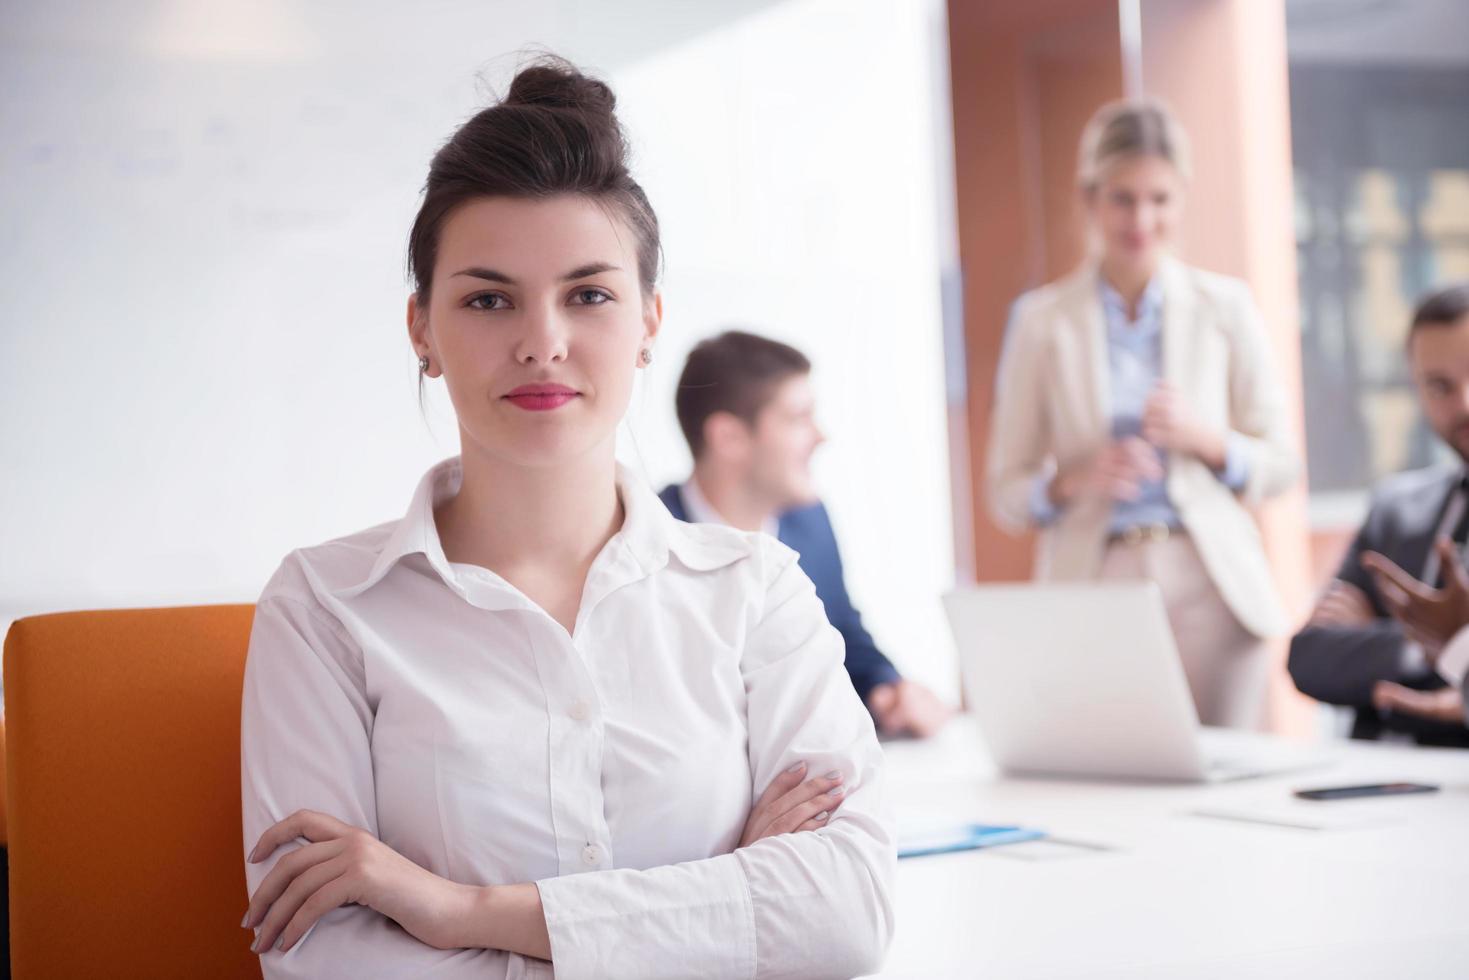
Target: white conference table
1183, 896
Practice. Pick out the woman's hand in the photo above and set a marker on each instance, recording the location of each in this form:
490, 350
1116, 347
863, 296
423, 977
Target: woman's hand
789, 805
1115, 473
1170, 424
344, 865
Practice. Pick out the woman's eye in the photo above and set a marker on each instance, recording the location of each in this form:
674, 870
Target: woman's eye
487, 301
590, 297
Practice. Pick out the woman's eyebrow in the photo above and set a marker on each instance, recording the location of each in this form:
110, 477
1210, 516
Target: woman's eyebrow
590, 269
479, 272
580, 272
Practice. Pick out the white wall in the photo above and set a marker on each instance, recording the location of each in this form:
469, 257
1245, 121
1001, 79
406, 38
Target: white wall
203, 361
796, 191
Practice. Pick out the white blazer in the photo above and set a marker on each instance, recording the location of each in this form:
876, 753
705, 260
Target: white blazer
1053, 408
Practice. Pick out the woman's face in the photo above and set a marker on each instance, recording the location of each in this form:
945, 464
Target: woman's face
536, 321
1136, 208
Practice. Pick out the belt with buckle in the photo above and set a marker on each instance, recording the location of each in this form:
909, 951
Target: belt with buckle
1143, 533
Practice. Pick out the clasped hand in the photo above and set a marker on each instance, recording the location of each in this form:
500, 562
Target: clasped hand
1118, 472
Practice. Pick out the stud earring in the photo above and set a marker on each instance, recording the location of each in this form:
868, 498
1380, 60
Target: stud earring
645, 356
423, 364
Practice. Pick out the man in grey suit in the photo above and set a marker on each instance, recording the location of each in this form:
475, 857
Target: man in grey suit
1355, 651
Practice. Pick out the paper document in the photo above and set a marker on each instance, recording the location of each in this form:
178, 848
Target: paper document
1299, 815
960, 837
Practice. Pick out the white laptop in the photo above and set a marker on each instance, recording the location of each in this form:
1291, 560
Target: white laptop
1085, 680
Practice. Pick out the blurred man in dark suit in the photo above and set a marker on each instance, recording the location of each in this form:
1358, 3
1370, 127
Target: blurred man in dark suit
1388, 628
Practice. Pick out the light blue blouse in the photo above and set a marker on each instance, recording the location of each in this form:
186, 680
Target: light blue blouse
1135, 365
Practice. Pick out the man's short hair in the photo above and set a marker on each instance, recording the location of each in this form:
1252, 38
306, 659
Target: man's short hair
735, 372
1442, 308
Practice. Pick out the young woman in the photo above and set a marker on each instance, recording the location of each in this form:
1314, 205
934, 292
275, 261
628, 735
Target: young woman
1138, 417
537, 724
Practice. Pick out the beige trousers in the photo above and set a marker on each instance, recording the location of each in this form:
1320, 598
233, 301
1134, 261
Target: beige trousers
1225, 664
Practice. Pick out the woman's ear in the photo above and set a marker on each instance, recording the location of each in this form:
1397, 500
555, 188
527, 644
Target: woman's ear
420, 338
652, 317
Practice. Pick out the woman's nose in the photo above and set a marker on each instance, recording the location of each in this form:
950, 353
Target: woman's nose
543, 340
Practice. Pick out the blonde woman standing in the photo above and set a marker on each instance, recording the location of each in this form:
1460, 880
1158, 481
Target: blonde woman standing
1138, 418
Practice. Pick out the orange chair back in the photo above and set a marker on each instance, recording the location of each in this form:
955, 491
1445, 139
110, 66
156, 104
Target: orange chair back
4, 838
123, 782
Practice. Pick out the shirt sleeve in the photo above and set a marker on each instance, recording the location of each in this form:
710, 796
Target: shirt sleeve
866, 665
1236, 472
1042, 511
1453, 662
1261, 426
810, 904
305, 743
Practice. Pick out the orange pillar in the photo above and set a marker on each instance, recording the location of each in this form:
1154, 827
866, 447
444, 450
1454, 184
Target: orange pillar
1221, 66
1024, 78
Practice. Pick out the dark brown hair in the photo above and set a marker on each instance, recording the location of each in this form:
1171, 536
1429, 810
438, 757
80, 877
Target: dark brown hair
555, 132
735, 372
1441, 308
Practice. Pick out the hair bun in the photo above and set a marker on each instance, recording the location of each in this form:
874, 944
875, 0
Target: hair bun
555, 83
554, 132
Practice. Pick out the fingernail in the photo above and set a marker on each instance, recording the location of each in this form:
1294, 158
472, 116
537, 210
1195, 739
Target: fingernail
823, 815
797, 767
246, 920
833, 775
836, 791
255, 946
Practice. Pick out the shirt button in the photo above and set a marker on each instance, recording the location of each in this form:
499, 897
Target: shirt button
580, 711
591, 855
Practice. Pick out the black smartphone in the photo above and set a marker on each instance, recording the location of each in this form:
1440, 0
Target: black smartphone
1373, 789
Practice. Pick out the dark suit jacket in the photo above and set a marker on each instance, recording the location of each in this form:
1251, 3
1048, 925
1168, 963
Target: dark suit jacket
1341, 665
807, 531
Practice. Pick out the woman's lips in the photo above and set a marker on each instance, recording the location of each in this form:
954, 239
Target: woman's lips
541, 398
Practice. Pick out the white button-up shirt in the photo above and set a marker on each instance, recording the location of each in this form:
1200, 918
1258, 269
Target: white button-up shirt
437, 707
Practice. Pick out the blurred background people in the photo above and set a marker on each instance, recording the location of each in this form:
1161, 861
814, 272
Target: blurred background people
746, 407
1138, 417
1375, 638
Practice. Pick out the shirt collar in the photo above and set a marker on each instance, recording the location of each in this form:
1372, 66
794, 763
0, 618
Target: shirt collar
416, 533
1149, 305
648, 533
701, 511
